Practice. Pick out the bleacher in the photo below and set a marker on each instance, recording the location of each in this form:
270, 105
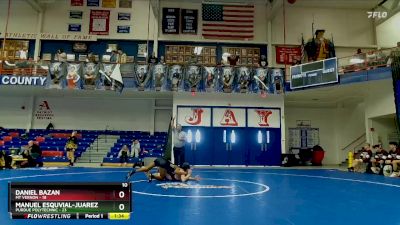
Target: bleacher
153, 144
52, 143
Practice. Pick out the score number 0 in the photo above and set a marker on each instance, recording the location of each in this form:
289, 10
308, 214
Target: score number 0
121, 194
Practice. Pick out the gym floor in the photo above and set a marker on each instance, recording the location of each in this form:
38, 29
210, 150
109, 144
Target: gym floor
235, 196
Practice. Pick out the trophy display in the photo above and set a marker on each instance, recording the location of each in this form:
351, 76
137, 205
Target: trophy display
142, 76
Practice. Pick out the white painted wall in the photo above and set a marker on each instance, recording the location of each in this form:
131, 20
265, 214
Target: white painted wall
12, 115
388, 32
337, 127
22, 17
56, 19
260, 24
383, 127
85, 113
218, 99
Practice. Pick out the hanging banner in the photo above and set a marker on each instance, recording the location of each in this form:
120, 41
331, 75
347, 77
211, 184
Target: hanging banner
170, 20
99, 22
94, 3
124, 16
123, 29
125, 3
194, 116
189, 21
287, 55
22, 80
229, 117
74, 28
109, 3
73, 14
264, 118
76, 2
47, 36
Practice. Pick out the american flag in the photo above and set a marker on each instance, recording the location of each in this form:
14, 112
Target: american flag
234, 22
303, 55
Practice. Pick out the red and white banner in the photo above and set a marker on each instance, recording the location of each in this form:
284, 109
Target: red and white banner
194, 116
229, 117
76, 2
286, 55
264, 118
99, 22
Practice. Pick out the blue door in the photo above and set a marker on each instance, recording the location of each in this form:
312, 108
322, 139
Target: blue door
229, 146
264, 146
199, 148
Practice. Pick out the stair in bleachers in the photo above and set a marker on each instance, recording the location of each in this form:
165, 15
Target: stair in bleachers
98, 149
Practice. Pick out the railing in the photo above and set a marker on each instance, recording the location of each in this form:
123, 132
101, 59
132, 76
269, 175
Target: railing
358, 62
365, 61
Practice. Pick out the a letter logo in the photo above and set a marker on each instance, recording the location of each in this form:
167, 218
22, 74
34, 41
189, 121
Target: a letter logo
229, 119
44, 106
263, 115
196, 117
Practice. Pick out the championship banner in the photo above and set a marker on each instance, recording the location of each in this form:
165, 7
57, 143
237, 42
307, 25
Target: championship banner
99, 22
170, 20
76, 2
194, 116
94, 3
314, 74
123, 29
124, 16
109, 3
75, 14
22, 80
264, 118
229, 117
287, 55
125, 3
74, 28
189, 21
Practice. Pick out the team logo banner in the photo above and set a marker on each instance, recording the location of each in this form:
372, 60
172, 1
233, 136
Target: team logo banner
210, 78
160, 77
261, 82
264, 118
176, 78
229, 117
193, 78
194, 116
142, 77
56, 75
91, 76
73, 78
227, 78
244, 79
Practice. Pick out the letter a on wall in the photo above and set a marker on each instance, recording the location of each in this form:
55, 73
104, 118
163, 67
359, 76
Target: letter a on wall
229, 119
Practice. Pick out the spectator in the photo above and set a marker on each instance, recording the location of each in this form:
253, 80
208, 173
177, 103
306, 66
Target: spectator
123, 155
70, 147
2, 160
33, 154
179, 143
136, 148
378, 159
114, 56
364, 157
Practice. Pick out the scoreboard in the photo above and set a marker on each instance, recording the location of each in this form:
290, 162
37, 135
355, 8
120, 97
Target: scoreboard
314, 73
70, 200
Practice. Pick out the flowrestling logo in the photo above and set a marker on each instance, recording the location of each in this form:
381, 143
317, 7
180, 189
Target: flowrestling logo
189, 186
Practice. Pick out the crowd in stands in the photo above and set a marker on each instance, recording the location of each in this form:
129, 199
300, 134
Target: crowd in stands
376, 160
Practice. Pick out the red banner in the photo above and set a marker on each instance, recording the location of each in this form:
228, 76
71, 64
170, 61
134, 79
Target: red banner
76, 2
99, 22
286, 55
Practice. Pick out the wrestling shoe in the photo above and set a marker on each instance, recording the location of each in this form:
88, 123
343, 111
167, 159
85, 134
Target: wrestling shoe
130, 174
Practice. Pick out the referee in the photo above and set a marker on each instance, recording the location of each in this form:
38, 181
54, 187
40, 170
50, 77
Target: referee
179, 143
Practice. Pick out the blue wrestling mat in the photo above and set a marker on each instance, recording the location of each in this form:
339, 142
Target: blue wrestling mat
233, 196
